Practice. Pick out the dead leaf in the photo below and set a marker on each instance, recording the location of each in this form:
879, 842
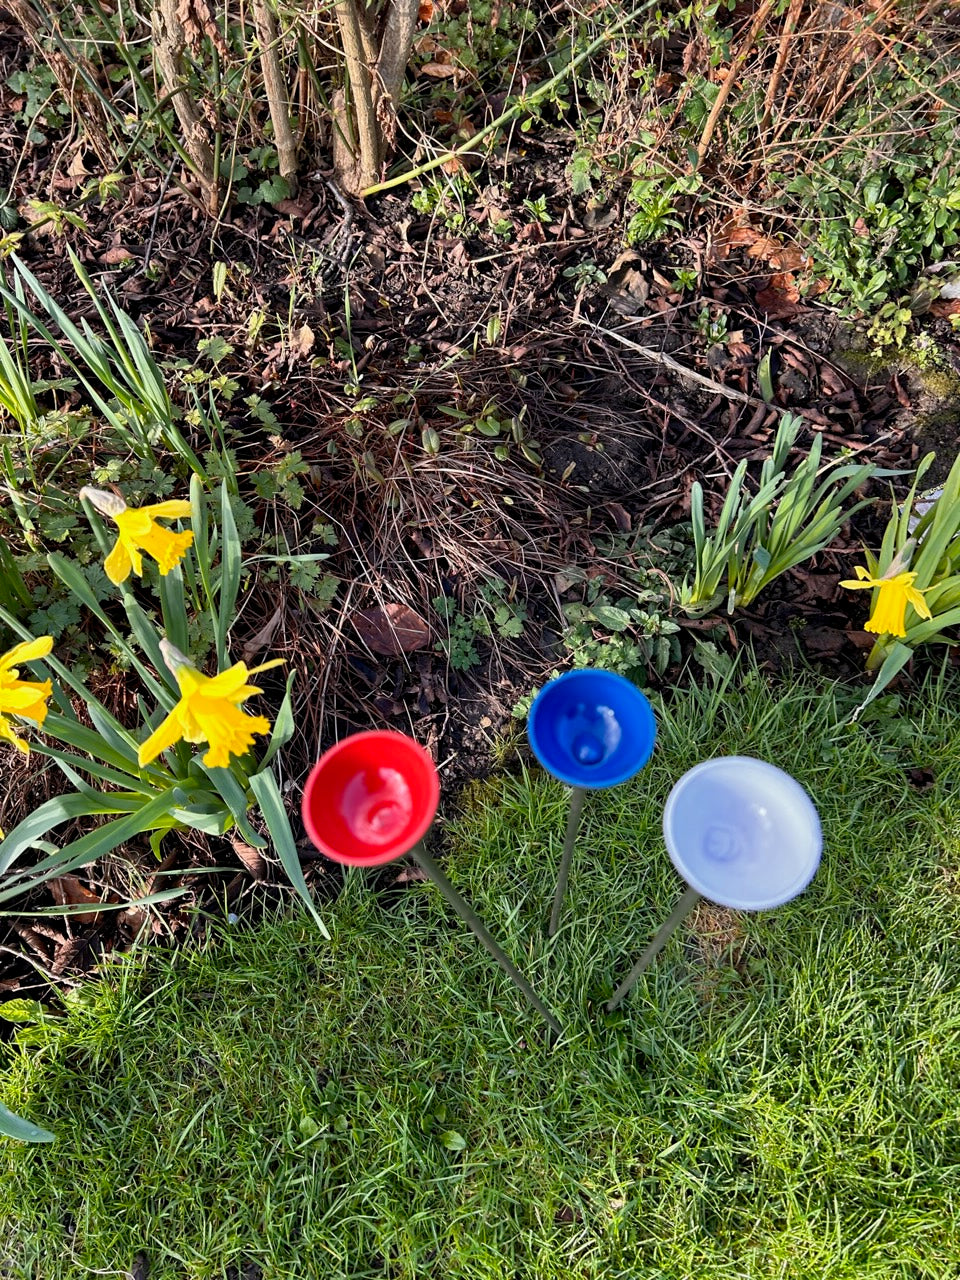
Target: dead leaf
411, 875
263, 638
598, 216
68, 891
425, 11
786, 283
117, 253
303, 340
824, 642
439, 70
391, 629
250, 858
621, 516
77, 168
298, 208
197, 19
736, 231
777, 304
627, 286
781, 257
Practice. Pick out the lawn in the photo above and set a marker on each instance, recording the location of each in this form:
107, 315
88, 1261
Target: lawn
777, 1098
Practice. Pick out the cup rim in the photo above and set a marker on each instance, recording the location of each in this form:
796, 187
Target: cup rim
597, 675
786, 780
423, 824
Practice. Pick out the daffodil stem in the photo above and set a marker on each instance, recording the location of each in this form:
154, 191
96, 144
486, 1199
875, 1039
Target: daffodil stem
577, 797
687, 902
470, 917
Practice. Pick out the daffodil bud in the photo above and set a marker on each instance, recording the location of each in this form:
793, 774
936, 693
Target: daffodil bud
108, 504
172, 656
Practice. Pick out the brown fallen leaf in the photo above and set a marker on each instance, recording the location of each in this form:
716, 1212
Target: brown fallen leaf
627, 287
77, 167
301, 342
785, 282
733, 233
114, 255
438, 70
263, 638
391, 629
782, 257
68, 891
295, 208
776, 303
621, 516
250, 858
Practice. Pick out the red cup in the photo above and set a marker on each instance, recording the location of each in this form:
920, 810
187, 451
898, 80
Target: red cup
370, 798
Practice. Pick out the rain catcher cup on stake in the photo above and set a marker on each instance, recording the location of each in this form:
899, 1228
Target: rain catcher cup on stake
591, 730
742, 833
371, 799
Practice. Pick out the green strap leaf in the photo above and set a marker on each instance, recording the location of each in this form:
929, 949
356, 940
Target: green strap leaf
173, 610
283, 725
60, 809
168, 692
14, 1126
235, 798
66, 909
264, 787
230, 558
70, 575
893, 664
93, 743
95, 844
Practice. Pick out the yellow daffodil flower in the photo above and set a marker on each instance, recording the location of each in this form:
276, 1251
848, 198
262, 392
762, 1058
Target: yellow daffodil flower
25, 699
896, 592
139, 531
208, 711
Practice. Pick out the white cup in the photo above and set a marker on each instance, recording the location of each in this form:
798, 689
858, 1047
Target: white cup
742, 833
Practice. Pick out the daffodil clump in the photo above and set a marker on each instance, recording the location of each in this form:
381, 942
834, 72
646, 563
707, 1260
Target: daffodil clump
210, 708
144, 783
915, 578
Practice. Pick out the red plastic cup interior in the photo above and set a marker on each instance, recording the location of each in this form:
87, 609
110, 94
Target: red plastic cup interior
370, 798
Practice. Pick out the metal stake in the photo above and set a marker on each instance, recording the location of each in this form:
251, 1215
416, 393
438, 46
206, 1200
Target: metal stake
687, 902
470, 917
577, 797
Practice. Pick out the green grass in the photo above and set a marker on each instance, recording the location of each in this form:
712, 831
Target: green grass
778, 1098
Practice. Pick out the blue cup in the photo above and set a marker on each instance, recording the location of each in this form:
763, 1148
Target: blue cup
591, 729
